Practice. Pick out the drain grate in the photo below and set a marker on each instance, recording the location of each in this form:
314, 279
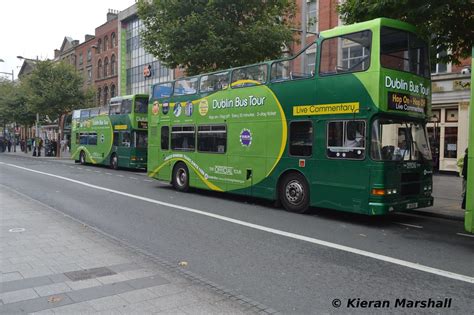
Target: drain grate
89, 273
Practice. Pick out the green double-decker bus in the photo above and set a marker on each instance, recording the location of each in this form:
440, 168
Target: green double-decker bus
115, 136
341, 125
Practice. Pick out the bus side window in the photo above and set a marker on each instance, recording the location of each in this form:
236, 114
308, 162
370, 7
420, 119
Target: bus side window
126, 107
301, 138
116, 139
165, 138
212, 138
346, 139
126, 139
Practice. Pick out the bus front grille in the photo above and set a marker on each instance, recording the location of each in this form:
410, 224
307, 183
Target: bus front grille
410, 189
410, 177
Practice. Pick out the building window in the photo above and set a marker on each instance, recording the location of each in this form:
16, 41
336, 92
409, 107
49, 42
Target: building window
106, 94
89, 74
436, 115
106, 66
112, 65
451, 115
112, 40
99, 45
106, 43
99, 69
312, 16
112, 91
450, 142
80, 59
440, 67
89, 54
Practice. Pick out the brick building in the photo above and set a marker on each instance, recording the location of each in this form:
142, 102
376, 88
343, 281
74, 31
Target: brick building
105, 59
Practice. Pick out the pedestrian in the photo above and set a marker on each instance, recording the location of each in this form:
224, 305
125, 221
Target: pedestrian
464, 180
40, 146
9, 145
29, 143
63, 145
2, 148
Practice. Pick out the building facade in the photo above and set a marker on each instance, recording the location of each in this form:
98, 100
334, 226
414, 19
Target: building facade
139, 70
449, 127
105, 59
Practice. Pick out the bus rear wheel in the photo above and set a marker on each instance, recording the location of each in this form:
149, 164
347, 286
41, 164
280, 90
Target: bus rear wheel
114, 161
180, 178
82, 158
294, 193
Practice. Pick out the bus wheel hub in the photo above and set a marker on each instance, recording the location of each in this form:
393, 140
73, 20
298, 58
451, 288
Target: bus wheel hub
294, 192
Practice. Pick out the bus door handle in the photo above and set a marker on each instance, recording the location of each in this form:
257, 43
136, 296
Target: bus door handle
249, 174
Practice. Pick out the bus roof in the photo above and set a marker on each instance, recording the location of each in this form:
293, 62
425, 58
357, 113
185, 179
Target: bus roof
368, 25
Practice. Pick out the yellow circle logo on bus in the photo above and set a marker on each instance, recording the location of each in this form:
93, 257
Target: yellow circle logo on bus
203, 107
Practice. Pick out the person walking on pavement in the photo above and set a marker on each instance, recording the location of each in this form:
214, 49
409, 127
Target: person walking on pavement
40, 146
29, 142
464, 181
9, 145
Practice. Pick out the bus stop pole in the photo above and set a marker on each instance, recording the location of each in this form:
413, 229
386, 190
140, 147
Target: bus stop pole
469, 216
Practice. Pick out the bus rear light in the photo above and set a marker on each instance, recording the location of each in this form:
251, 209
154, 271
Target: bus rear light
378, 191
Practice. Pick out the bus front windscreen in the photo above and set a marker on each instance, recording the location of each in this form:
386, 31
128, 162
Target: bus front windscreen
399, 140
141, 105
404, 51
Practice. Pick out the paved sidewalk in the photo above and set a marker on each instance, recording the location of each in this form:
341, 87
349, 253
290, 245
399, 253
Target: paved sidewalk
53, 264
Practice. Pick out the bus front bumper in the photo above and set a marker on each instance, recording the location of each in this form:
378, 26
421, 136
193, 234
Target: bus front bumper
381, 208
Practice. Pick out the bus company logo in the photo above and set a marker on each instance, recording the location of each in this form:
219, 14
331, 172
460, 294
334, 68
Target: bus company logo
177, 109
156, 108
102, 138
203, 107
165, 108
245, 137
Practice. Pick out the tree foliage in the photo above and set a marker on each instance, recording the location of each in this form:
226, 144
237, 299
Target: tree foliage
14, 105
55, 88
206, 35
449, 24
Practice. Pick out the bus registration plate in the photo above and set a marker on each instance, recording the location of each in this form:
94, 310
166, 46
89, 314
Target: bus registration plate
412, 205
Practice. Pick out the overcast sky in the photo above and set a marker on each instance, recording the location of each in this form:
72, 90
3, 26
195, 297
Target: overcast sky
32, 28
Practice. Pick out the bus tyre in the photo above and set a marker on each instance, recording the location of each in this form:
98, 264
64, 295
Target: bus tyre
180, 179
294, 193
114, 161
82, 158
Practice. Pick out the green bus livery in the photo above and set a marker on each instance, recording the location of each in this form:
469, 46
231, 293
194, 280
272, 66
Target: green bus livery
115, 136
341, 125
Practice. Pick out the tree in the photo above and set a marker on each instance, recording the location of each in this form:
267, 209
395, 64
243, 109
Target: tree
206, 35
13, 104
55, 89
448, 23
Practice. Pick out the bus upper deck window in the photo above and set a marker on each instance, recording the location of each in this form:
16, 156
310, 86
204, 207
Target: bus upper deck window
346, 53
162, 90
214, 82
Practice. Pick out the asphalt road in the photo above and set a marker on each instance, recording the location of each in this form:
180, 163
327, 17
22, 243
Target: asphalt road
286, 271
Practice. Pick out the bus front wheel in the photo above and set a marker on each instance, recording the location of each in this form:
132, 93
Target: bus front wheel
114, 161
82, 158
294, 193
180, 179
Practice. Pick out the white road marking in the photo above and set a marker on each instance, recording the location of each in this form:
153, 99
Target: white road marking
132, 177
96, 171
409, 225
108, 173
396, 261
147, 180
462, 234
119, 175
